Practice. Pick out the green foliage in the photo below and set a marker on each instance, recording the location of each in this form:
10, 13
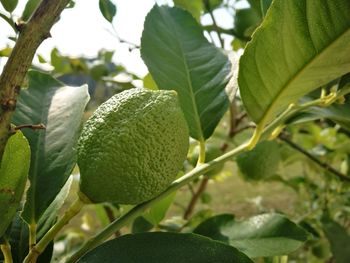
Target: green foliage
53, 149
18, 233
29, 9
261, 162
161, 247
259, 236
339, 240
181, 58
9, 5
13, 177
144, 150
274, 73
212, 151
108, 9
294, 84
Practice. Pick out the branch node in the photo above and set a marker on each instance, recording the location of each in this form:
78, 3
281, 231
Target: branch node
9, 105
20, 25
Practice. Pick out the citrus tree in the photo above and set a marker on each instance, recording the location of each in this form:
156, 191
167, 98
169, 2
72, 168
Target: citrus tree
280, 112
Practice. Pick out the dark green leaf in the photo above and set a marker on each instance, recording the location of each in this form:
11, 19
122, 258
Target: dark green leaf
260, 6
141, 225
60, 109
260, 236
29, 9
108, 9
246, 20
18, 235
161, 247
13, 177
179, 57
339, 239
300, 46
9, 5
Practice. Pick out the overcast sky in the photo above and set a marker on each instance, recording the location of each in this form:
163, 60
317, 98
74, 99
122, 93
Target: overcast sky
83, 31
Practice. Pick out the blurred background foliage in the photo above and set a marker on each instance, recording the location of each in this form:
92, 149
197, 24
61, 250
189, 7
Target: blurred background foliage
305, 178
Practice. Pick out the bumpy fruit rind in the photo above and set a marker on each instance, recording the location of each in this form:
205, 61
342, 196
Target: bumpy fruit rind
132, 147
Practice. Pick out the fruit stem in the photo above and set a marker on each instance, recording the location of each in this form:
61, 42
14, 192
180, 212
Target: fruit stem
36, 250
32, 234
201, 157
139, 209
6, 251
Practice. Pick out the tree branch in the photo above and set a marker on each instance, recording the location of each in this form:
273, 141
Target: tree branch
195, 197
324, 165
31, 36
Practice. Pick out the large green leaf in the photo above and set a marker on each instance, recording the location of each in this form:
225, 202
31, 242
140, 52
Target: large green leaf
179, 57
260, 236
300, 46
14, 169
339, 240
60, 109
161, 247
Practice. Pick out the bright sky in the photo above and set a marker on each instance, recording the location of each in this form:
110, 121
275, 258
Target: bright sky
83, 31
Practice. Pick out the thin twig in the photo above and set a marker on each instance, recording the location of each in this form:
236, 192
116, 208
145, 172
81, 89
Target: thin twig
215, 25
30, 126
320, 163
195, 197
110, 214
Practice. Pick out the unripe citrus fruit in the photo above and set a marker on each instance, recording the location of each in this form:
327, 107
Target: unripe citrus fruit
132, 147
261, 162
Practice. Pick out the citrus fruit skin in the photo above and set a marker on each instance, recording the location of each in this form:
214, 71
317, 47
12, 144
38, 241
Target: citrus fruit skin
261, 162
132, 147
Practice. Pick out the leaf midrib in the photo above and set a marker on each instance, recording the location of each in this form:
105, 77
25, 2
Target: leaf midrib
41, 134
188, 77
268, 111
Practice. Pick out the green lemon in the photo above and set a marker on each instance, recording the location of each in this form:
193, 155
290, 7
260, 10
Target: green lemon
132, 147
261, 162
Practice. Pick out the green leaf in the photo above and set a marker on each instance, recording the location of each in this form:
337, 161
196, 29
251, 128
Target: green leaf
179, 57
108, 9
5, 52
158, 211
265, 157
141, 225
9, 5
29, 9
18, 234
13, 177
260, 6
60, 109
339, 240
161, 247
149, 83
246, 20
259, 236
195, 7
300, 46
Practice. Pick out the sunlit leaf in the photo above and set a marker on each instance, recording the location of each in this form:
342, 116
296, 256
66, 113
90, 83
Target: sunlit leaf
300, 46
